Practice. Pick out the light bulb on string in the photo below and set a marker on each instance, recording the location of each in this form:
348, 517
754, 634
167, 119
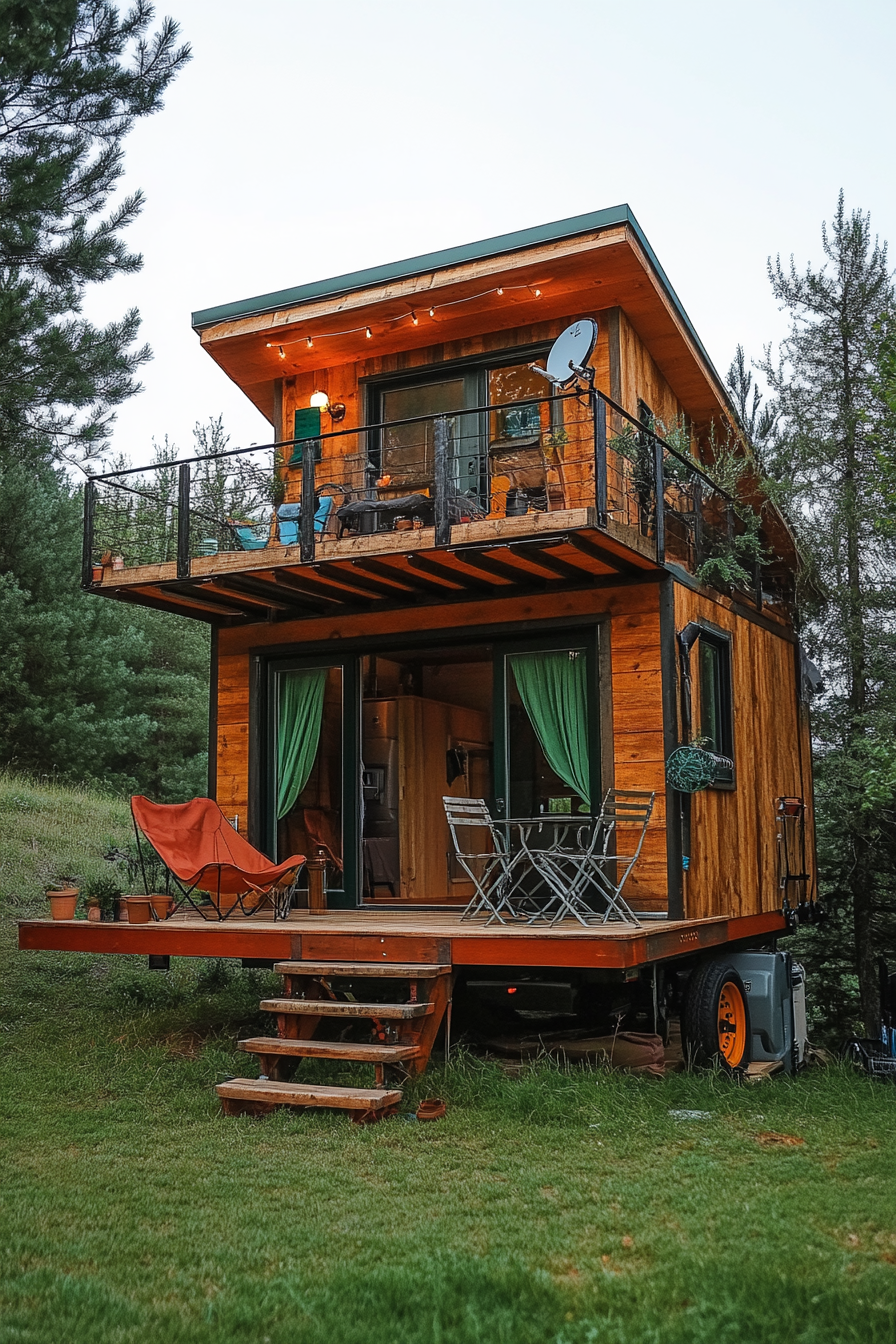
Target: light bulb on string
309, 342
281, 352
499, 291
415, 319
432, 312
368, 333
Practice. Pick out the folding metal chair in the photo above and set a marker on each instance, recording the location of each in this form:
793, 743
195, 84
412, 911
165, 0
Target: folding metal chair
490, 870
582, 865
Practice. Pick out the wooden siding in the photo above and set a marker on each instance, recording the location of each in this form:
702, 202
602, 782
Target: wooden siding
344, 382
733, 852
634, 698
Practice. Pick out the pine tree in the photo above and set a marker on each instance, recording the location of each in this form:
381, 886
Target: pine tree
92, 690
74, 77
835, 434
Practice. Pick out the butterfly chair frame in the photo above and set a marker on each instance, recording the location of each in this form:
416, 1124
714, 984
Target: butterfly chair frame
582, 864
493, 872
281, 897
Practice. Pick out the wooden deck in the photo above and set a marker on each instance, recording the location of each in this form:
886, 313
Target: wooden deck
399, 937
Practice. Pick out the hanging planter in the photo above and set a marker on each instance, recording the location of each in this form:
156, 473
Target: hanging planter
692, 769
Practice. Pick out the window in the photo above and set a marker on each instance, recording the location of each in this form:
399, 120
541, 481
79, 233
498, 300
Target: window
716, 714
404, 453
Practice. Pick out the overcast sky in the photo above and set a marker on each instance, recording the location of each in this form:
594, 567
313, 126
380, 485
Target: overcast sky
307, 139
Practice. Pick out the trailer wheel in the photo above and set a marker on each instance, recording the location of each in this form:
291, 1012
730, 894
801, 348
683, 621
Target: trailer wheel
716, 1018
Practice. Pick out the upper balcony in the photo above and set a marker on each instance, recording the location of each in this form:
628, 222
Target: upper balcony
533, 493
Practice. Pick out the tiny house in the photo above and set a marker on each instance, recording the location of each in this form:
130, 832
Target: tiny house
435, 527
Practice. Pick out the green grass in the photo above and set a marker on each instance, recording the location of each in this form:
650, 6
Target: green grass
562, 1207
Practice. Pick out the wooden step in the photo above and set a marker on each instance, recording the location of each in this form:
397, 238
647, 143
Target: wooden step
341, 1008
392, 970
367, 1051
257, 1095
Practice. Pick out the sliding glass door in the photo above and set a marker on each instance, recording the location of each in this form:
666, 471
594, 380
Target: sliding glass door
312, 790
361, 750
547, 727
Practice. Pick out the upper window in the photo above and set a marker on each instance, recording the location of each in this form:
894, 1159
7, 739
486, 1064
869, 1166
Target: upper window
716, 711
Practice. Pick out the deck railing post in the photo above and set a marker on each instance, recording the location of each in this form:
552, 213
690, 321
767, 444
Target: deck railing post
698, 524
441, 481
659, 490
599, 417
87, 541
306, 520
183, 521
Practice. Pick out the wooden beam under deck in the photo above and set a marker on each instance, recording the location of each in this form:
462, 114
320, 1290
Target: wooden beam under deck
395, 936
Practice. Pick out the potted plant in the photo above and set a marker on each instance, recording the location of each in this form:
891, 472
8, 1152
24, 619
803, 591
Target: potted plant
63, 898
101, 896
139, 909
161, 904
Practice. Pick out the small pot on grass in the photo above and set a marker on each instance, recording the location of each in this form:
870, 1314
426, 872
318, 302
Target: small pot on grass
94, 910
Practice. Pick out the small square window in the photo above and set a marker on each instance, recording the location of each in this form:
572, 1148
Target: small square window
716, 713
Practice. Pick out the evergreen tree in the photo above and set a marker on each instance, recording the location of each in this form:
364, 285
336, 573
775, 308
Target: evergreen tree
74, 77
92, 690
834, 439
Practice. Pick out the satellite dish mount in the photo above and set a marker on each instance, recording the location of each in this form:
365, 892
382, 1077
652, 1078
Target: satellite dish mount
567, 362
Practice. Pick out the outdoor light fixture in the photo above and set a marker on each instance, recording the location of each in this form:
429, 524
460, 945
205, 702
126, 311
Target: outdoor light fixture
336, 409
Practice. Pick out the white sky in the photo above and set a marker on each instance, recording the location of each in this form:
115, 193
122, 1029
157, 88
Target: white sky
308, 138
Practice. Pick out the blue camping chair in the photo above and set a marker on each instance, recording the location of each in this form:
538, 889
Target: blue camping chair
255, 536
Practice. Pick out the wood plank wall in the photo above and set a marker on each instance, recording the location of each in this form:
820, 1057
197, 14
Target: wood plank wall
343, 382
634, 699
733, 851
640, 377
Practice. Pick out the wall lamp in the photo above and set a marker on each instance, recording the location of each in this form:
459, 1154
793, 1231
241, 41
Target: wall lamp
336, 409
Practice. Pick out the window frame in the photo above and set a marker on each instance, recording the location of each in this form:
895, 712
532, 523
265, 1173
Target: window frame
722, 736
474, 370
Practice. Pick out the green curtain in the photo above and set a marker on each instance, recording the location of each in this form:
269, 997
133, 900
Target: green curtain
301, 714
553, 688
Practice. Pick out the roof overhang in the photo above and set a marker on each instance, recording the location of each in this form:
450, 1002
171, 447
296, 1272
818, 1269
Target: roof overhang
581, 265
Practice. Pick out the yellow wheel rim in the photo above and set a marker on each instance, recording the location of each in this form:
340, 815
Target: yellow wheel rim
732, 1024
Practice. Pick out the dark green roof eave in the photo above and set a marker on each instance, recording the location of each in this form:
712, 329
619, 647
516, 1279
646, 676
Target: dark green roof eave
455, 256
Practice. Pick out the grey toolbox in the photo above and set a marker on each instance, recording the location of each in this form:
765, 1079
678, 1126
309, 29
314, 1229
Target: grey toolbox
776, 993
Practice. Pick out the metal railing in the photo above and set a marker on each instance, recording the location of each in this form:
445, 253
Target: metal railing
549, 455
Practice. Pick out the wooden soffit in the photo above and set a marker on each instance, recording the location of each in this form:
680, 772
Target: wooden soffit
579, 276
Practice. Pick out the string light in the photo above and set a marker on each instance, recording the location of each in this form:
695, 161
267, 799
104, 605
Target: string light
412, 315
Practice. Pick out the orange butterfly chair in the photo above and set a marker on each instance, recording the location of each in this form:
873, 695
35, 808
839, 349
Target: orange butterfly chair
204, 854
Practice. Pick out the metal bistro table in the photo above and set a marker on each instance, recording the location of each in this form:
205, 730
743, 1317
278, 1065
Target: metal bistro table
578, 868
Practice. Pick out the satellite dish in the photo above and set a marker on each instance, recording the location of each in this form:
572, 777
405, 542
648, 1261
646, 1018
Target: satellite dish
568, 359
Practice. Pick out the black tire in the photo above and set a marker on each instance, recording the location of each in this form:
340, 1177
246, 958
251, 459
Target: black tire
707, 1018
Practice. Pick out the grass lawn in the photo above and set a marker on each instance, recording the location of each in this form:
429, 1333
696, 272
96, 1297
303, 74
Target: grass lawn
562, 1207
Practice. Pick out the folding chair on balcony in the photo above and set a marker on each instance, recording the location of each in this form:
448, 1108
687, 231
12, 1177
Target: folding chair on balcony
486, 859
204, 856
584, 869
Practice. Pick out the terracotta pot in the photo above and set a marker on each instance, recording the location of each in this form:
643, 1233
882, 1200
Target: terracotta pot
791, 807
161, 904
97, 573
63, 902
94, 914
139, 909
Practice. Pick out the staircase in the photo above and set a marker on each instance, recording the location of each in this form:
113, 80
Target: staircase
401, 1036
